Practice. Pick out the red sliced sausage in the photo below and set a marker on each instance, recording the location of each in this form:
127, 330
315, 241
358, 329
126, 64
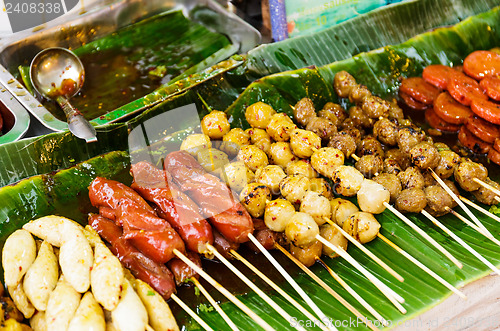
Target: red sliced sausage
491, 86
450, 110
142, 267
152, 235
176, 207
438, 123
488, 110
108, 193
438, 75
482, 129
419, 89
412, 103
464, 89
480, 64
494, 156
215, 199
472, 142
182, 272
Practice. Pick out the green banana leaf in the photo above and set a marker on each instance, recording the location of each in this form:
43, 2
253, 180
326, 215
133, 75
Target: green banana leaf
379, 70
388, 25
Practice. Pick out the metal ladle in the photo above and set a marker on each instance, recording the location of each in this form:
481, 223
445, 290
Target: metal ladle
58, 74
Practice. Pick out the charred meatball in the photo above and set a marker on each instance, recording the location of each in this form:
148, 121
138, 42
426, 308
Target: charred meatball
412, 200
392, 166
358, 94
333, 112
370, 165
467, 171
411, 178
375, 107
343, 83
304, 111
343, 142
408, 137
359, 118
386, 131
484, 195
425, 156
370, 146
447, 164
322, 127
401, 159
391, 182
438, 200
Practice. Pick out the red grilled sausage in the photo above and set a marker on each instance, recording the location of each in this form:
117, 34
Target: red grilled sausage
215, 199
176, 207
182, 272
156, 275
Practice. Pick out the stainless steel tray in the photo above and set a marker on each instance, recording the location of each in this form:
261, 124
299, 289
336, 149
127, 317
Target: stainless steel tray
16, 119
21, 48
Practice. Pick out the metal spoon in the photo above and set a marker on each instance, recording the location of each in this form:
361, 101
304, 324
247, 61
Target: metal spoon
58, 74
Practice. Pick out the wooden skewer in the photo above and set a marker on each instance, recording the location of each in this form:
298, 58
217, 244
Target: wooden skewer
330, 290
214, 304
254, 288
291, 281
191, 313
472, 225
351, 291
424, 234
365, 250
224, 291
458, 201
486, 186
422, 266
461, 242
480, 209
393, 297
355, 157
278, 289
497, 199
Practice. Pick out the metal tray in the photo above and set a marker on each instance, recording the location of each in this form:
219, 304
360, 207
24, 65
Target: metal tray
21, 48
16, 119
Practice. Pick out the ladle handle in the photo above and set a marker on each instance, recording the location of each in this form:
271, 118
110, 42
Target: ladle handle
77, 124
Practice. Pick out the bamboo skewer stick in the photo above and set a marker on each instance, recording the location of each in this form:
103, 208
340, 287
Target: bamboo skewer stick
424, 234
480, 209
291, 281
472, 225
335, 294
423, 267
458, 201
254, 288
224, 291
214, 304
395, 298
461, 242
191, 313
351, 291
486, 186
366, 251
497, 199
278, 289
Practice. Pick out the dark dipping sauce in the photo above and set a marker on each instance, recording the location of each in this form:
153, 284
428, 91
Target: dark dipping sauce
111, 81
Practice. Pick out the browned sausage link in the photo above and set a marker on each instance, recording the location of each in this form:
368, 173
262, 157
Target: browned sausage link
149, 233
266, 238
223, 245
142, 267
182, 272
215, 199
176, 207
107, 193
